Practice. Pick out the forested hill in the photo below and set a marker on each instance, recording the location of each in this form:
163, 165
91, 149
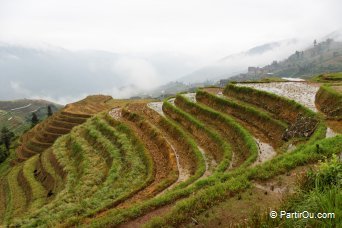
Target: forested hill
16, 114
322, 57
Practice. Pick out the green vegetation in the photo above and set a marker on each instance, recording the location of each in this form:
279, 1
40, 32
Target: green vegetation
100, 188
328, 77
37, 193
82, 168
329, 100
319, 192
49, 110
206, 198
183, 189
6, 138
164, 158
192, 150
213, 141
34, 120
16, 199
262, 120
53, 170
44, 134
242, 142
285, 109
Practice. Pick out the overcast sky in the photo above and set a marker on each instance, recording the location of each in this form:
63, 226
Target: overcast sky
212, 28
151, 42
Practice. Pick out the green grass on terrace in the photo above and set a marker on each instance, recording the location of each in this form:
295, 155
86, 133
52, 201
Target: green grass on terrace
211, 134
248, 146
39, 194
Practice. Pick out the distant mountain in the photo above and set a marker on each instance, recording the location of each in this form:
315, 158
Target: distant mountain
64, 76
322, 57
264, 48
16, 114
264, 54
238, 63
53, 73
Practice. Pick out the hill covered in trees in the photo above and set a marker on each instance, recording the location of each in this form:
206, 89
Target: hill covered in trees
16, 115
325, 56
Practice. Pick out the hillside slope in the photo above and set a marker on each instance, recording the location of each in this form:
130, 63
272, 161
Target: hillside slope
44, 134
17, 114
146, 163
238, 63
322, 57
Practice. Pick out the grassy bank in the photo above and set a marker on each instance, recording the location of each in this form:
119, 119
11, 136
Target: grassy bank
329, 100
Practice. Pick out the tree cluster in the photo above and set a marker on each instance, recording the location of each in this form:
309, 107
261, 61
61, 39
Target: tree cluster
6, 137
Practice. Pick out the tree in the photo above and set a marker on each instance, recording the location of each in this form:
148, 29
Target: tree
49, 110
315, 43
34, 119
6, 137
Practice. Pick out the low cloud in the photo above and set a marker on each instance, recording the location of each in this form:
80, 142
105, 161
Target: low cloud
64, 76
60, 100
238, 63
25, 93
137, 71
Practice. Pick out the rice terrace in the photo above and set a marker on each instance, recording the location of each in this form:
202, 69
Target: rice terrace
173, 113
221, 156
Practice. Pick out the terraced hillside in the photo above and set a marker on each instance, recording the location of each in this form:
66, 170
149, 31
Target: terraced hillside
173, 163
43, 135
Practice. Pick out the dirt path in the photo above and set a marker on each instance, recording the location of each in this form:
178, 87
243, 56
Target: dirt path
26, 106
